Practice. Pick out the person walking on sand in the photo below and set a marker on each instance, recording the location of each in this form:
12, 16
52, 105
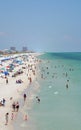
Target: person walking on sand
14, 106
4, 102
30, 80
12, 116
17, 106
6, 80
7, 118
25, 117
24, 97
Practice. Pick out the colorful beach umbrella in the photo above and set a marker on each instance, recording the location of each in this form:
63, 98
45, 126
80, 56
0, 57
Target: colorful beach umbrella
6, 72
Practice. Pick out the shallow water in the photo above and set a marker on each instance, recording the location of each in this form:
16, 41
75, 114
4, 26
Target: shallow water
60, 107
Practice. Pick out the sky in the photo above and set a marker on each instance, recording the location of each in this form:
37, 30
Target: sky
41, 25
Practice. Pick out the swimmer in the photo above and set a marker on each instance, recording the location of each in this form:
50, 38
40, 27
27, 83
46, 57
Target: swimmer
67, 80
66, 85
38, 99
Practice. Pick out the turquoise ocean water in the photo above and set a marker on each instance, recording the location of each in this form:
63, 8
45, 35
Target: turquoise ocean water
60, 106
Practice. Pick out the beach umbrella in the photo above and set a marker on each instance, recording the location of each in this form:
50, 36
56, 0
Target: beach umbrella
6, 73
3, 68
7, 67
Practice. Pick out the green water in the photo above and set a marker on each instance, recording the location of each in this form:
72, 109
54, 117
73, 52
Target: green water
60, 107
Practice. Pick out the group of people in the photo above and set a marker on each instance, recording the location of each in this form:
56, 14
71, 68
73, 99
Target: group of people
15, 106
19, 81
17, 73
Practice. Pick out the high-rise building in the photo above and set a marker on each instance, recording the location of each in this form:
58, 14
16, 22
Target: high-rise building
13, 48
24, 49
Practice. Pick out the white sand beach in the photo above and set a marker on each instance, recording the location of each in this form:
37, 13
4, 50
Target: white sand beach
12, 91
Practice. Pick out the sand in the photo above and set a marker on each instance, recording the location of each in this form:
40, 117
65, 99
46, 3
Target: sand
13, 91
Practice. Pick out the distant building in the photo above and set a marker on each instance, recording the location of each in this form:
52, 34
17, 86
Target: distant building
13, 48
1, 52
24, 49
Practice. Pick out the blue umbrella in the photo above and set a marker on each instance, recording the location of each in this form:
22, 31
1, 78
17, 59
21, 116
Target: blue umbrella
6, 73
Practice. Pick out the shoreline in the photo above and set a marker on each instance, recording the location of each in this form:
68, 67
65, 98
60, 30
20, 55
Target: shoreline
15, 91
24, 115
